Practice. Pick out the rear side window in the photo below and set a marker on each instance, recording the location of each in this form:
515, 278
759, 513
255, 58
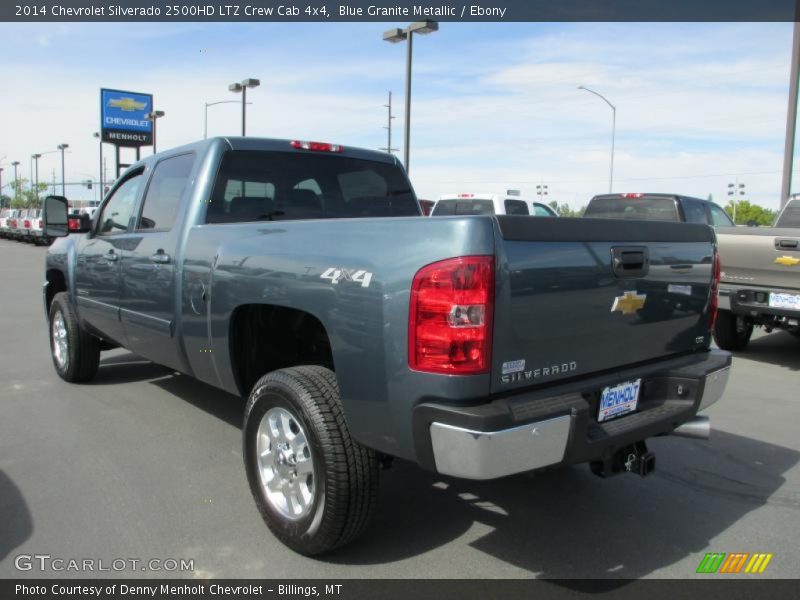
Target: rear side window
516, 207
790, 217
463, 207
541, 211
719, 218
694, 211
280, 186
167, 185
643, 208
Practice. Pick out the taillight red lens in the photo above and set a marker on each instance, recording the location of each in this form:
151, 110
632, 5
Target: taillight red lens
450, 316
316, 146
40, 224
27, 224
74, 225
631, 195
713, 307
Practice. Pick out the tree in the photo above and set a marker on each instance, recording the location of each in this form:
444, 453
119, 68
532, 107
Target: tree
27, 197
565, 211
747, 213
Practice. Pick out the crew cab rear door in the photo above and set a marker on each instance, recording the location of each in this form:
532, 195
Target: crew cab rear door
149, 271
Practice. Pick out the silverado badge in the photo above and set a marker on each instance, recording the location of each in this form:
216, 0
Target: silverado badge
788, 261
628, 303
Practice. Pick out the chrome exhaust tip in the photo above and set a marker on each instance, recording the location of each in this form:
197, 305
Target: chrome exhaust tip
698, 428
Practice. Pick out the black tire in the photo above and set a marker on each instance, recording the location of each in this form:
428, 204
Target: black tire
83, 349
732, 332
345, 474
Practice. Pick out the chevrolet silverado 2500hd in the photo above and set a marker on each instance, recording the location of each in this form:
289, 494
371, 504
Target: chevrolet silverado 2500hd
760, 284
302, 275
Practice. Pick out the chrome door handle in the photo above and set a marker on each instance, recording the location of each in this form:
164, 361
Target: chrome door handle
112, 256
160, 258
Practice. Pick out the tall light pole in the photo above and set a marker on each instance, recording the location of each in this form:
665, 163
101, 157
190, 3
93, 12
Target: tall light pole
1, 184
63, 147
15, 164
734, 190
154, 115
205, 120
407, 35
613, 132
36, 158
97, 135
242, 87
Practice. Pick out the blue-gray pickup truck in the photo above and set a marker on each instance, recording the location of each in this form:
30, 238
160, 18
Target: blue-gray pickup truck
303, 276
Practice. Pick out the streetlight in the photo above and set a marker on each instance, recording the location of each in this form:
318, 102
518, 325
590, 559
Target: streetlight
63, 147
242, 87
541, 191
395, 36
97, 135
154, 115
36, 158
15, 164
613, 131
732, 189
1, 186
205, 120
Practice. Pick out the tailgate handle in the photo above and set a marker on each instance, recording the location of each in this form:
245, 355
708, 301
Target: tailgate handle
630, 261
786, 244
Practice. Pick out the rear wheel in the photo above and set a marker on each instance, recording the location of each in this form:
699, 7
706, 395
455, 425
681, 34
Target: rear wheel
732, 332
315, 487
75, 352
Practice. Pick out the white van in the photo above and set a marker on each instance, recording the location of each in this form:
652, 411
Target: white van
490, 204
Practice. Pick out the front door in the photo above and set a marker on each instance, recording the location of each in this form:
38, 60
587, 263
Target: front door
149, 272
99, 255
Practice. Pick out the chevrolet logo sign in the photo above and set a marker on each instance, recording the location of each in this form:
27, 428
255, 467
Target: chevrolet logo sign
788, 261
628, 303
127, 104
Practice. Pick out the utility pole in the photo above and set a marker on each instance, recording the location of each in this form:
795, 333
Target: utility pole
15, 164
388, 127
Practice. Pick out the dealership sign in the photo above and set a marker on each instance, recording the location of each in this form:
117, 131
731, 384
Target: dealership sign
123, 118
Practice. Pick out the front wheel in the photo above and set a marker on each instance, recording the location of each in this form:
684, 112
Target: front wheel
75, 352
732, 332
315, 486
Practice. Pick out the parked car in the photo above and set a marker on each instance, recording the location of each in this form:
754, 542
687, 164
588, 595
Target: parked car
17, 231
489, 204
760, 283
657, 207
299, 274
4, 216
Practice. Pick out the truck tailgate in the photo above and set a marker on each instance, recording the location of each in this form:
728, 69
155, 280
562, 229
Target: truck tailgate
761, 257
580, 296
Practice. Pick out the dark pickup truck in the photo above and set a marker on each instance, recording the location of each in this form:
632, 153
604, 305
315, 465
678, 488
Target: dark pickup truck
302, 275
658, 207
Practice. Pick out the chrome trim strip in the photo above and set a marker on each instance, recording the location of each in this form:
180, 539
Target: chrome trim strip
487, 455
714, 387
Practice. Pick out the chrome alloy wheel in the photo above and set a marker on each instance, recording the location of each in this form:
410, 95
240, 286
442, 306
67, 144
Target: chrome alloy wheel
60, 342
285, 464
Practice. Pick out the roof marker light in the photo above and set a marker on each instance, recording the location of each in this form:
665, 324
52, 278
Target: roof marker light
316, 146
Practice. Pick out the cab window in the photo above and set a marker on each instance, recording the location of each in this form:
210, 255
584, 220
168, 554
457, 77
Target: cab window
116, 214
719, 218
694, 211
516, 207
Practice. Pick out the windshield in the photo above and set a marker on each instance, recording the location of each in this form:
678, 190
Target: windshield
280, 186
643, 208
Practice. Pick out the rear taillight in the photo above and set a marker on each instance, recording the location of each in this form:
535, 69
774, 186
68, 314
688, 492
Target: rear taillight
631, 195
26, 224
316, 146
713, 305
74, 224
40, 224
450, 316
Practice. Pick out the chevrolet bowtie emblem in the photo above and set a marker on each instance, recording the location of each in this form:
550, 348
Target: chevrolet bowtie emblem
126, 104
628, 303
788, 261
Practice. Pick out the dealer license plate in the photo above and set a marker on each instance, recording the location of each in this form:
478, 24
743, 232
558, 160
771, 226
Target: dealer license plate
790, 301
619, 400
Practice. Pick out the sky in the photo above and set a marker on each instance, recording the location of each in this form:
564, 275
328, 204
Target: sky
495, 106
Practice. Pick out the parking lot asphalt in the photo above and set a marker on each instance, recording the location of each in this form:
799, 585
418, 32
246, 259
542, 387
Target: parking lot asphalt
145, 463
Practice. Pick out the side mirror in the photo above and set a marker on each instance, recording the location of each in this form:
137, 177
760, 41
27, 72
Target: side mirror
55, 217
